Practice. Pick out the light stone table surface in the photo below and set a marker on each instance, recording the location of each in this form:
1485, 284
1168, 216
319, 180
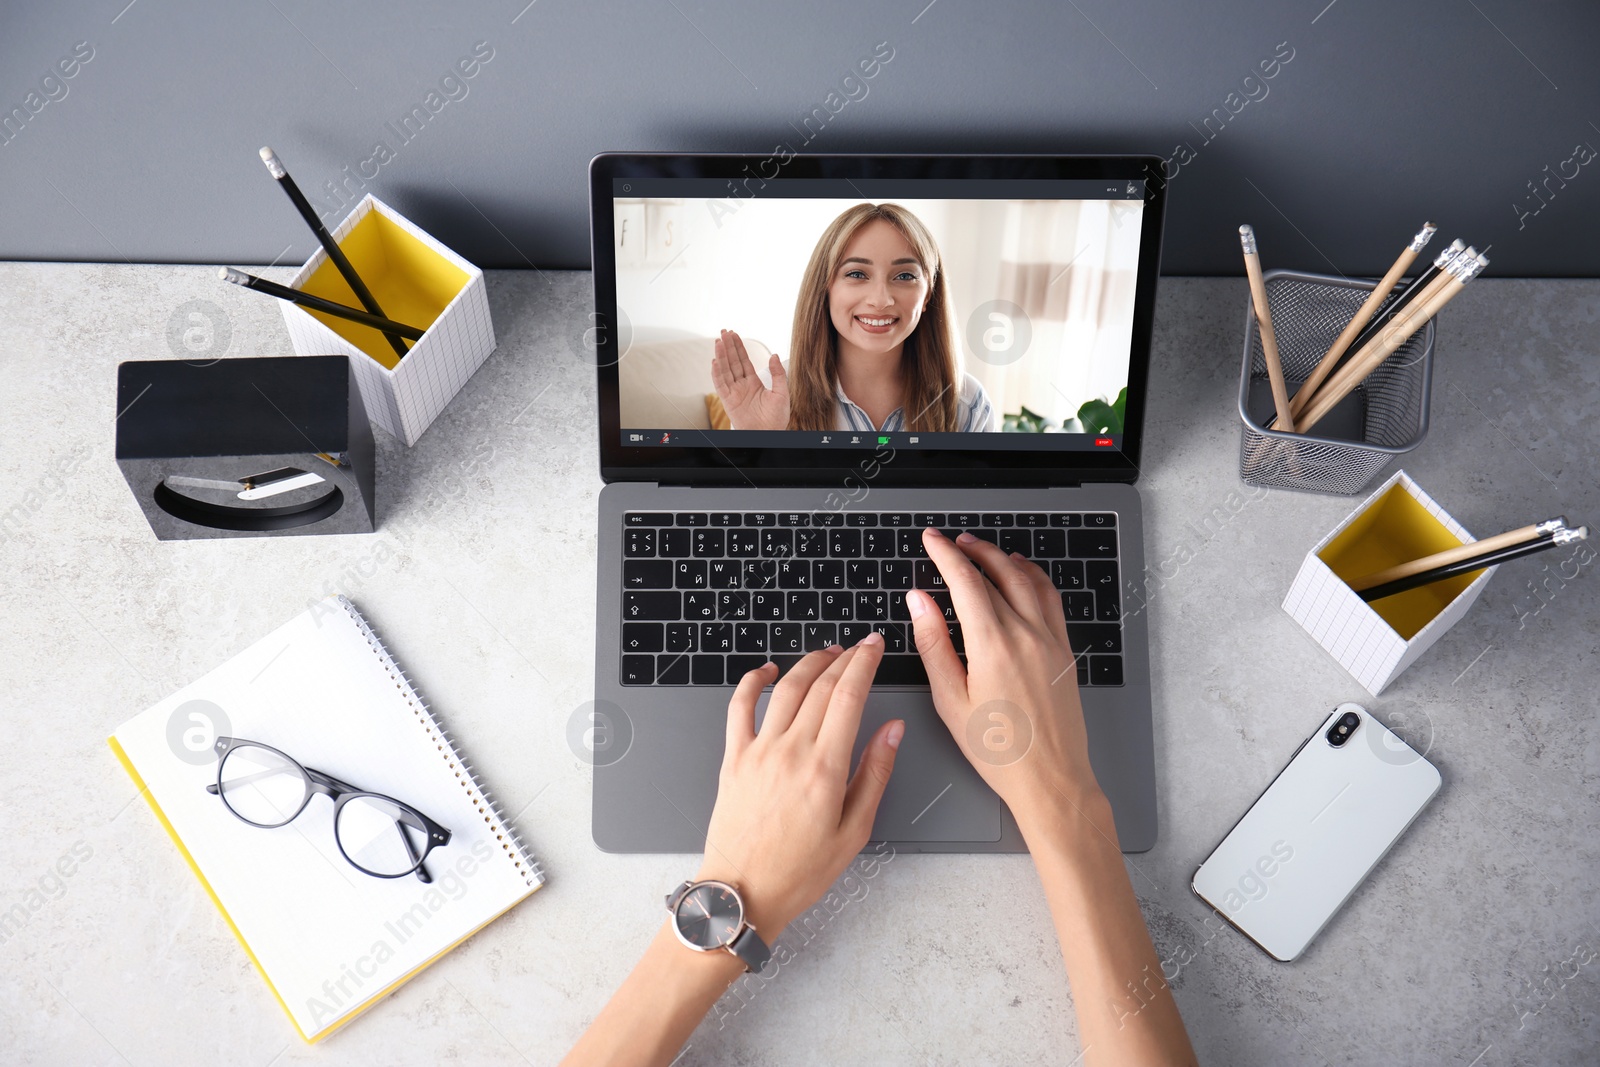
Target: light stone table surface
1473, 943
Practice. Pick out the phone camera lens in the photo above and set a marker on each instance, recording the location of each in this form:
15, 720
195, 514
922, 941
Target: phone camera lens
1342, 728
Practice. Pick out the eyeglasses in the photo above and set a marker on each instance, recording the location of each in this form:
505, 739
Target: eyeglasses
379, 835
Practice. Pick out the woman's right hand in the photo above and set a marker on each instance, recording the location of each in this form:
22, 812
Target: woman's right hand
750, 405
1014, 707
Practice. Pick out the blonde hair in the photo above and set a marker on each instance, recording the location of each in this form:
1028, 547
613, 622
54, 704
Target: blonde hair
927, 359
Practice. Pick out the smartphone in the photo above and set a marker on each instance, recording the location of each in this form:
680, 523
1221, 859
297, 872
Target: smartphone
1286, 868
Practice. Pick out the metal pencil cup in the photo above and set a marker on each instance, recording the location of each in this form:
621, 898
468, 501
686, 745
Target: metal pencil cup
1384, 416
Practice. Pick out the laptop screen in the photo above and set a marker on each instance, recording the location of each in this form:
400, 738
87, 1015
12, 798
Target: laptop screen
946, 312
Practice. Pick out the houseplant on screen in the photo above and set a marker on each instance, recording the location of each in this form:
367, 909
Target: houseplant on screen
1094, 416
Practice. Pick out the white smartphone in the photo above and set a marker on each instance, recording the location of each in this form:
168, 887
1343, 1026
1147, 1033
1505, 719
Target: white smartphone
1344, 799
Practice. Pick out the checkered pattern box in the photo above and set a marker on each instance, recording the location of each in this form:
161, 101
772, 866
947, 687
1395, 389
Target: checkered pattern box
1376, 641
417, 281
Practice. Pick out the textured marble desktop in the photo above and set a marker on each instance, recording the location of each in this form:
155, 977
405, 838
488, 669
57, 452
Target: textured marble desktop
1473, 943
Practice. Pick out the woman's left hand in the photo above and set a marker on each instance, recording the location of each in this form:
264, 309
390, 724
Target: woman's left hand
789, 817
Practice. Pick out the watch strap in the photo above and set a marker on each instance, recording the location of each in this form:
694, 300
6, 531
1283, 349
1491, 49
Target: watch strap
749, 947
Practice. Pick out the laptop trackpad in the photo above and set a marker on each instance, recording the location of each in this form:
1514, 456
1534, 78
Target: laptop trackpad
934, 794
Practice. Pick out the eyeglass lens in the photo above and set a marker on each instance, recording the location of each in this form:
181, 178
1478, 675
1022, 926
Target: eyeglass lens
380, 837
261, 786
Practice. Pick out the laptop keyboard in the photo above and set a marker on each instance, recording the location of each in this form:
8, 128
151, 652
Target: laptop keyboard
709, 595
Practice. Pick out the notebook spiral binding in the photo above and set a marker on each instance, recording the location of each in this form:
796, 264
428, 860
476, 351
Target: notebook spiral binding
486, 803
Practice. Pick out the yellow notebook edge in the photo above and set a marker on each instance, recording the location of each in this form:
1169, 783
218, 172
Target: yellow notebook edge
360, 1009
144, 790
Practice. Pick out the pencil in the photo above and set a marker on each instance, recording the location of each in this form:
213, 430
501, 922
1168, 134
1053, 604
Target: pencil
329, 245
1475, 563
316, 303
1269, 340
1406, 304
1384, 288
1460, 552
1410, 293
1396, 333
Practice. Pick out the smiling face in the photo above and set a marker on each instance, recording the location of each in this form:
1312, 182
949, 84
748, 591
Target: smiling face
878, 293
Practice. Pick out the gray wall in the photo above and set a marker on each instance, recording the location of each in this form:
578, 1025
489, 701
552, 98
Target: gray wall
1387, 114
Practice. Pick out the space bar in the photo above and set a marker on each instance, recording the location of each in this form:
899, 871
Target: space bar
901, 670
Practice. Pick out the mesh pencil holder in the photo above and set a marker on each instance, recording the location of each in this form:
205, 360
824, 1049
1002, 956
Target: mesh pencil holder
1383, 417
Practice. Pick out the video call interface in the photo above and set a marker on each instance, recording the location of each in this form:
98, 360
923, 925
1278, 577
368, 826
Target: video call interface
931, 313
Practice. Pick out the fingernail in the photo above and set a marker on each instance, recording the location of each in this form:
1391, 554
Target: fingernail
897, 730
835, 649
915, 604
965, 538
874, 638
934, 530
1019, 557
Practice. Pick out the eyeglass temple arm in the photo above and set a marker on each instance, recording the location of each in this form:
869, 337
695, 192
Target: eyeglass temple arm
411, 850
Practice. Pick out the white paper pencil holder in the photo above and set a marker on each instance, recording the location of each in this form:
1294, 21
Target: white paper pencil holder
417, 281
1376, 641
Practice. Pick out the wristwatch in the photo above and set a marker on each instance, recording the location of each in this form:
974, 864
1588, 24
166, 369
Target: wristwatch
709, 915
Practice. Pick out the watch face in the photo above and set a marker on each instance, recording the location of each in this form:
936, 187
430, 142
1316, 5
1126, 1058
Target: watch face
709, 916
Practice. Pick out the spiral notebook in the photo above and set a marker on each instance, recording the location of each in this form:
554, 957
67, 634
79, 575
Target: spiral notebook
330, 940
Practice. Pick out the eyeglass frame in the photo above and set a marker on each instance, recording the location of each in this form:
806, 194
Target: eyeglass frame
340, 793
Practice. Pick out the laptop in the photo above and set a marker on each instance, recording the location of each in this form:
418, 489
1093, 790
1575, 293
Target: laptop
803, 361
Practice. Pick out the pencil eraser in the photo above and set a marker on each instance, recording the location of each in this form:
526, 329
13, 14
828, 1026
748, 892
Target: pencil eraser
270, 158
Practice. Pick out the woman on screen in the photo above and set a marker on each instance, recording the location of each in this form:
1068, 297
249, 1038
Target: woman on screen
872, 346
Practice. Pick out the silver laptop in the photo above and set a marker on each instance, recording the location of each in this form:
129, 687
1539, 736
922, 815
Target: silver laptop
803, 362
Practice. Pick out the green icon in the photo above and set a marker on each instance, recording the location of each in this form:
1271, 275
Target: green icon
883, 440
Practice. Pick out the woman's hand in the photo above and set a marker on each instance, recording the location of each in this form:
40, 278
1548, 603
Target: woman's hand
750, 405
1014, 707
789, 817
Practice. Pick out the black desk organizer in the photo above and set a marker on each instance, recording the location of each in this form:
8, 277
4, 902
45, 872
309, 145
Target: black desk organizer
260, 447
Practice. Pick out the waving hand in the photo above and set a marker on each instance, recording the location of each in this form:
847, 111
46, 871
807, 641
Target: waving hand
750, 404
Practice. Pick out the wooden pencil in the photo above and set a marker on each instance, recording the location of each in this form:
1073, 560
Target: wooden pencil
1380, 348
1482, 561
1269, 340
1410, 302
1457, 554
1410, 293
1385, 286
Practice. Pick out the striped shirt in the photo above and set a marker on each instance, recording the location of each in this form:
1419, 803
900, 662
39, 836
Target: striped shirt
973, 411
